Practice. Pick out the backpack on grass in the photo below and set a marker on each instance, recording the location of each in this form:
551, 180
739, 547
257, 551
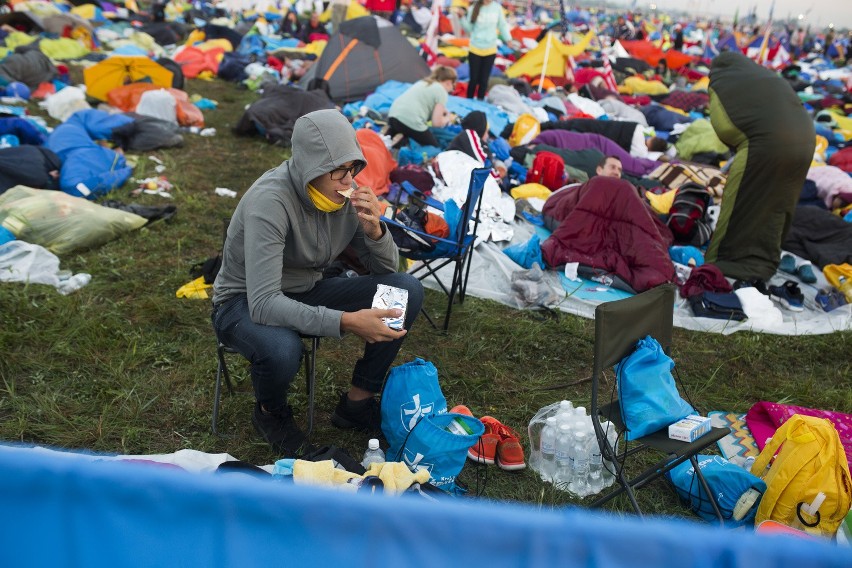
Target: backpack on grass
811, 461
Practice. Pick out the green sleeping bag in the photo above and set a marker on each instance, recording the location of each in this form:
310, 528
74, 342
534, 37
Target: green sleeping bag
756, 112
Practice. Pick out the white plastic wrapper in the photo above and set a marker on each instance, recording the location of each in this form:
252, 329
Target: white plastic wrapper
389, 298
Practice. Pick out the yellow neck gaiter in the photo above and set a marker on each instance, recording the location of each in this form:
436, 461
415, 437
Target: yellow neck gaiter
322, 202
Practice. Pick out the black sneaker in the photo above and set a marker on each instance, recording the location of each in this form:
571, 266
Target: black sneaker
364, 415
279, 430
756, 283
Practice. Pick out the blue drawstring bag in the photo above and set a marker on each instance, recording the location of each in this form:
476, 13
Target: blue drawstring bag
647, 391
414, 422
411, 392
431, 446
727, 481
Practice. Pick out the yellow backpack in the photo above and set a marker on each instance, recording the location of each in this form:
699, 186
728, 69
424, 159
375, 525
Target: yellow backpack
811, 461
525, 129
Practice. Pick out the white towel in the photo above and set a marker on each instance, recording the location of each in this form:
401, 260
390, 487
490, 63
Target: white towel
760, 310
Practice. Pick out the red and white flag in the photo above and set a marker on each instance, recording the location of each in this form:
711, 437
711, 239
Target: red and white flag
609, 77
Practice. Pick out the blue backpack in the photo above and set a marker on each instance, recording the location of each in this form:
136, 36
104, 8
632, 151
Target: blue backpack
415, 422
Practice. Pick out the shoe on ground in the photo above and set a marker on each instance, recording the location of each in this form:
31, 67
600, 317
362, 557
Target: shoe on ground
787, 264
759, 285
279, 430
830, 299
461, 409
363, 415
485, 449
806, 274
510, 453
788, 295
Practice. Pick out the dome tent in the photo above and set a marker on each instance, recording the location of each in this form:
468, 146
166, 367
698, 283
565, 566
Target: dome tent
364, 54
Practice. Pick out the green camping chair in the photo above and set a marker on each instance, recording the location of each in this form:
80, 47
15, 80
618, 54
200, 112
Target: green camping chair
619, 325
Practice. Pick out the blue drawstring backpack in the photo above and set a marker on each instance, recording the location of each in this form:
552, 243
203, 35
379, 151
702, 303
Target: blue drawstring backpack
727, 481
414, 422
647, 391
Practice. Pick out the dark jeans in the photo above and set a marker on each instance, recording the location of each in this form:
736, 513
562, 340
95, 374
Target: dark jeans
480, 72
424, 138
275, 352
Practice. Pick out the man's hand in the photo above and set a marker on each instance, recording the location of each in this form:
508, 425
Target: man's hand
368, 325
367, 206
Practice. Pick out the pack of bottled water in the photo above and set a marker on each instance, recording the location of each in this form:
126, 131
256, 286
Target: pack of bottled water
565, 450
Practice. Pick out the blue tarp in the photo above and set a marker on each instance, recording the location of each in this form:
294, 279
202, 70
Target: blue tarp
71, 511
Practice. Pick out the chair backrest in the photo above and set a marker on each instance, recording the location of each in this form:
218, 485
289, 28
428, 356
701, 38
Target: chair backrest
473, 203
620, 324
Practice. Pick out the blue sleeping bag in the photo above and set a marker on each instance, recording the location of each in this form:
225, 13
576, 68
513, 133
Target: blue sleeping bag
88, 170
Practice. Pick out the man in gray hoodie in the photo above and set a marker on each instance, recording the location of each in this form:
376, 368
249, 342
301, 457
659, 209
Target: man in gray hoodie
288, 227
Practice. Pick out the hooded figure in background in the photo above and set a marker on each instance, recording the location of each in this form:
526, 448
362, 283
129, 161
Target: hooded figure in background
756, 112
288, 228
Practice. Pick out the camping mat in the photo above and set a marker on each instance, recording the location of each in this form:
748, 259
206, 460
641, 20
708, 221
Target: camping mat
739, 444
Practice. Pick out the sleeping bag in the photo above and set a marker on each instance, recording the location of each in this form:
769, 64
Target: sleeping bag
605, 225
756, 112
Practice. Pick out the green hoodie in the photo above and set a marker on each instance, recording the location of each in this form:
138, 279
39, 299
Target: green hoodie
278, 241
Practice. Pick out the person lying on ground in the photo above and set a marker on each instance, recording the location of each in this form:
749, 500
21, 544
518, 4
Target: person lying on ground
580, 141
290, 225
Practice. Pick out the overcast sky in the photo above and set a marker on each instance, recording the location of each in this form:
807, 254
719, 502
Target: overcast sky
818, 12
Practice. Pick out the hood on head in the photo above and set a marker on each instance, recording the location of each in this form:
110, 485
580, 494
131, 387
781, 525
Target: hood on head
322, 141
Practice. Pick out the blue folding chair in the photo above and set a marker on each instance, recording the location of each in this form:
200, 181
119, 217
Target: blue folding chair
456, 249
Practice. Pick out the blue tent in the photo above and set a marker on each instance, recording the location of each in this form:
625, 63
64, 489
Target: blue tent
67, 510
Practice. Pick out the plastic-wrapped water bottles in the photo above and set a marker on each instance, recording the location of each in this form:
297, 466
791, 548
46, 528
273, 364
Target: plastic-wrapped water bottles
548, 449
579, 480
374, 454
562, 479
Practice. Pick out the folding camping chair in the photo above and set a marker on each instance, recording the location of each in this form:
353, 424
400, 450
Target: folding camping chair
457, 249
308, 354
619, 325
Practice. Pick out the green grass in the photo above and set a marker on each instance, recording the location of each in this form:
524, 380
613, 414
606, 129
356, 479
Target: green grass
124, 366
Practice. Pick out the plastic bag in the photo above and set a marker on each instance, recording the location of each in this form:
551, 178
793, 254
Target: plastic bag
60, 222
534, 433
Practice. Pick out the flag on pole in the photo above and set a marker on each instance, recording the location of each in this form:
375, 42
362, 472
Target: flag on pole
764, 45
569, 68
609, 76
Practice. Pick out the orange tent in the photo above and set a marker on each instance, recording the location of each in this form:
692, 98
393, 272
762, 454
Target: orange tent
126, 98
193, 60
651, 54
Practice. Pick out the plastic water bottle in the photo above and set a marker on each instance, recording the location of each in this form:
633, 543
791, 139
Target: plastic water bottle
579, 478
609, 466
595, 466
374, 454
845, 286
562, 479
548, 449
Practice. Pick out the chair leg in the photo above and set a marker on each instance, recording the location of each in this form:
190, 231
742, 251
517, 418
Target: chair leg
310, 382
623, 482
221, 371
710, 496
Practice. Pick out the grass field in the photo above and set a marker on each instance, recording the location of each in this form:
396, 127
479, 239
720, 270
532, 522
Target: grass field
124, 366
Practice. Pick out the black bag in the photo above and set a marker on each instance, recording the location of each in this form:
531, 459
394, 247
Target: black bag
208, 269
688, 215
413, 215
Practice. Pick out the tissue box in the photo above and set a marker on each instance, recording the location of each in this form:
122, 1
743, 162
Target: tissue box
690, 428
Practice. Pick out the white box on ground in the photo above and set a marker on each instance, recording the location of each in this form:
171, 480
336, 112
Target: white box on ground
690, 428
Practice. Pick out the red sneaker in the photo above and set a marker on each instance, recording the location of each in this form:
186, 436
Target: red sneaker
510, 452
485, 449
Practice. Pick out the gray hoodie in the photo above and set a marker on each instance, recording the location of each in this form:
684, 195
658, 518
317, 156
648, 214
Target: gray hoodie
278, 241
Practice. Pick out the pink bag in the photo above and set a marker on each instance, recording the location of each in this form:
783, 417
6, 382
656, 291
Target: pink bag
765, 417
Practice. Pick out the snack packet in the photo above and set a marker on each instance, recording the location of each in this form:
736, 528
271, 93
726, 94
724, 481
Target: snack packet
388, 298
